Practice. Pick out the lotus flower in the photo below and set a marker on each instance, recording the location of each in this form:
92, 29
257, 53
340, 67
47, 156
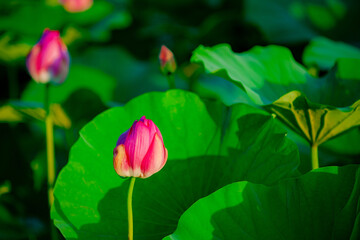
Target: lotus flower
140, 151
48, 60
167, 61
76, 5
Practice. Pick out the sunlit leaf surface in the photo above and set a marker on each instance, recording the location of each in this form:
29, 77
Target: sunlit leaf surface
315, 122
264, 73
209, 146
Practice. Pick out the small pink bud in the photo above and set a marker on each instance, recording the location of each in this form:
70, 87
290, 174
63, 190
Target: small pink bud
167, 61
76, 5
140, 151
48, 60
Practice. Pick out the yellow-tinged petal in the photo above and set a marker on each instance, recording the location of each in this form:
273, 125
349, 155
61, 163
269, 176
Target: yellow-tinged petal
121, 163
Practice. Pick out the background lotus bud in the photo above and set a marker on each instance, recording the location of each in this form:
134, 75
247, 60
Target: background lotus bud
167, 61
48, 60
76, 5
140, 151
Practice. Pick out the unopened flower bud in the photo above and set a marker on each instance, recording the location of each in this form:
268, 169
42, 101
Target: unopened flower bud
167, 61
48, 60
140, 151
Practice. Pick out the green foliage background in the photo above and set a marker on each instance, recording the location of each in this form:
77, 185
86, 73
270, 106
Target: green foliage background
260, 82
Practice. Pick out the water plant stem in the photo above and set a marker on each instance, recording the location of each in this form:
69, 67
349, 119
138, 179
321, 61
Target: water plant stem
49, 146
50, 152
171, 81
129, 205
314, 156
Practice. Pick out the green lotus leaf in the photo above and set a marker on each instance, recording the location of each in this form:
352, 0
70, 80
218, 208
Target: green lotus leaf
264, 73
323, 53
209, 146
317, 123
267, 73
322, 204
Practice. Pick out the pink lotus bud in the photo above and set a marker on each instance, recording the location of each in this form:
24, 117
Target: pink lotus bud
167, 61
140, 151
76, 5
48, 60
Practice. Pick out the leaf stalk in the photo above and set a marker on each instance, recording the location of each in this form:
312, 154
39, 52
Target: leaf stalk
171, 80
50, 152
314, 156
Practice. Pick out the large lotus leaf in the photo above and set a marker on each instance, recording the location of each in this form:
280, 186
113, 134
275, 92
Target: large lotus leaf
80, 77
315, 122
323, 53
209, 146
214, 87
264, 73
267, 73
322, 204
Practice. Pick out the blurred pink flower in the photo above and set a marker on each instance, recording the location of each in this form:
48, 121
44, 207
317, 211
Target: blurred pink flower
140, 151
167, 61
76, 5
48, 60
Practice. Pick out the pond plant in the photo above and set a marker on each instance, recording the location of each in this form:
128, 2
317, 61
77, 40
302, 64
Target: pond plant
248, 128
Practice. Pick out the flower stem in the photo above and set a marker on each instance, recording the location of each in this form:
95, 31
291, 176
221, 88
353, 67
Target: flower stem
49, 146
171, 81
50, 154
314, 156
130, 213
